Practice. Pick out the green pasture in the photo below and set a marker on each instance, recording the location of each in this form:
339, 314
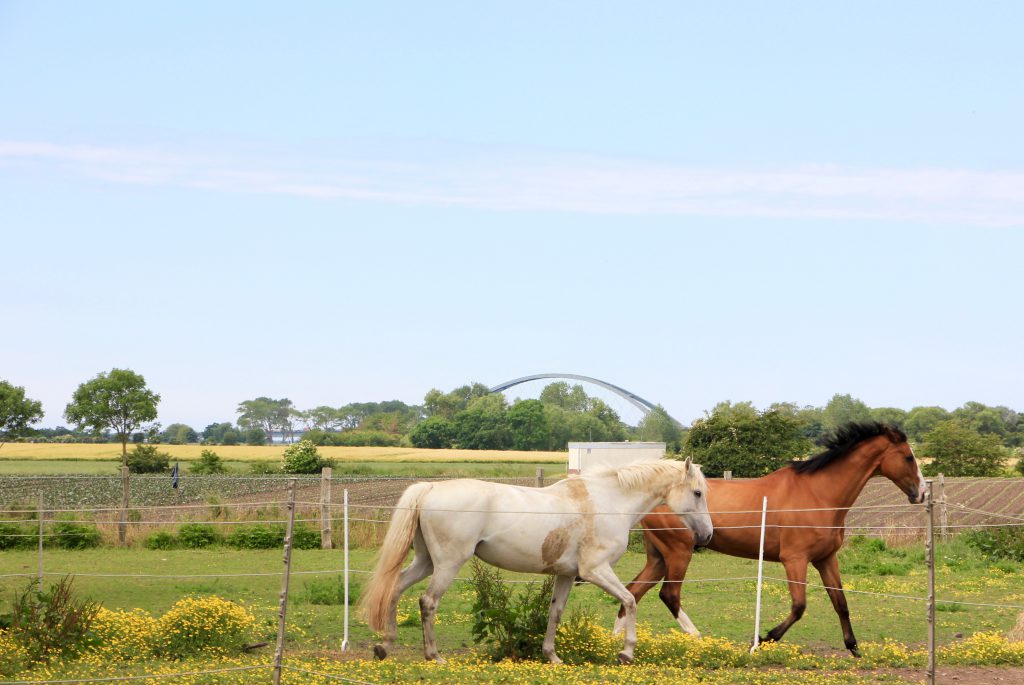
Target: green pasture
718, 608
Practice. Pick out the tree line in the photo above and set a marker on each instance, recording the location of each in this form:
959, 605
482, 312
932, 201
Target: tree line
974, 439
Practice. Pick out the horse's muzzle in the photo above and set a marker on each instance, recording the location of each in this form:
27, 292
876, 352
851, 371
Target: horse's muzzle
915, 497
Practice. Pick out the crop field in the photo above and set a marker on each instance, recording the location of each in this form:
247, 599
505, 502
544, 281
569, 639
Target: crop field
112, 452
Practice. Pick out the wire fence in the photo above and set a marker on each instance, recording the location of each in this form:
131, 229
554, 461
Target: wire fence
375, 501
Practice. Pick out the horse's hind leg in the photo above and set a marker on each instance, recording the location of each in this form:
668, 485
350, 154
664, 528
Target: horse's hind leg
420, 568
645, 580
829, 570
677, 560
439, 583
563, 584
796, 573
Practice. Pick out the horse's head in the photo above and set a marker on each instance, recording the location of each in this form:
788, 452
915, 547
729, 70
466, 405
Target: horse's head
689, 500
899, 465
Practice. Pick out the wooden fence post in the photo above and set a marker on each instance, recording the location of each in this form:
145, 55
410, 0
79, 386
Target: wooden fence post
540, 477
40, 572
282, 610
930, 558
122, 524
727, 475
325, 509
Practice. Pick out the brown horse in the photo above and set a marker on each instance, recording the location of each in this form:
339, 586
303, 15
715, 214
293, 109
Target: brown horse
807, 505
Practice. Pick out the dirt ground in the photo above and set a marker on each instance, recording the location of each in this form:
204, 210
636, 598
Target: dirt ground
967, 675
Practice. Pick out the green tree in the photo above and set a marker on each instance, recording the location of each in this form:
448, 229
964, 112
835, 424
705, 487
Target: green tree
560, 394
266, 414
119, 401
208, 462
148, 459
483, 425
252, 436
433, 433
17, 412
179, 434
658, 426
843, 409
447, 405
890, 415
529, 425
748, 443
215, 432
954, 449
921, 420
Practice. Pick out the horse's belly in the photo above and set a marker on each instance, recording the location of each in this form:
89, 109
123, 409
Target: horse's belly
507, 554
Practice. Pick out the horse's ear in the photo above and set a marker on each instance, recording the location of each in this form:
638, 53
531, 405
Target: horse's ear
689, 464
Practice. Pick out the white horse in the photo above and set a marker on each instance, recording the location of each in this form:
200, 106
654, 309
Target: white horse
576, 527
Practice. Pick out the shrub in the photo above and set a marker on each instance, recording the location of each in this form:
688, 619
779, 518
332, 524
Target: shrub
512, 622
197, 535
264, 468
745, 441
434, 433
1000, 543
329, 591
148, 459
302, 457
365, 438
51, 623
209, 462
957, 450
161, 539
70, 535
122, 635
196, 624
271, 536
13, 536
304, 537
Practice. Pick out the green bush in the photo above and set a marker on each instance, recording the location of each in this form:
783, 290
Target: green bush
161, 539
955, 449
51, 623
434, 433
197, 535
13, 536
208, 462
264, 468
365, 438
329, 591
196, 624
1000, 543
271, 536
70, 535
512, 622
304, 537
303, 457
148, 459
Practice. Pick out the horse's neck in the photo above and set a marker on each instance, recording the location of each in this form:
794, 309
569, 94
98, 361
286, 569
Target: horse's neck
842, 481
636, 501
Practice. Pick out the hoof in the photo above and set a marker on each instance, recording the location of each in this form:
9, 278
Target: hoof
553, 659
625, 659
437, 659
855, 651
379, 653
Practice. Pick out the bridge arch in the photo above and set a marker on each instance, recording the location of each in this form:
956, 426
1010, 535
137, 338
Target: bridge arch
640, 403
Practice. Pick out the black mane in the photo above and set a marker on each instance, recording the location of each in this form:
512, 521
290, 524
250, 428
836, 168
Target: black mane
842, 441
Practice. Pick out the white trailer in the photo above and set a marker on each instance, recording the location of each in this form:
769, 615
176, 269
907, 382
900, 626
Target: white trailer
586, 457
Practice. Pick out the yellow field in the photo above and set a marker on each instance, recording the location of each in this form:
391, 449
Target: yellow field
110, 452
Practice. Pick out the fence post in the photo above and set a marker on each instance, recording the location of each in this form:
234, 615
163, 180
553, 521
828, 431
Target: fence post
344, 510
930, 557
325, 509
40, 572
943, 508
760, 577
122, 524
540, 477
727, 475
282, 610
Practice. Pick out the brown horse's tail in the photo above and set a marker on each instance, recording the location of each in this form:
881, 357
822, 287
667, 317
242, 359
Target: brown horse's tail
376, 598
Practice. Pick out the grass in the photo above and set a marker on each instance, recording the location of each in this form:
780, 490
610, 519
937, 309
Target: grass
722, 609
112, 452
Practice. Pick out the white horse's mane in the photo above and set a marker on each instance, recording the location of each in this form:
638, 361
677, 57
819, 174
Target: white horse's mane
650, 474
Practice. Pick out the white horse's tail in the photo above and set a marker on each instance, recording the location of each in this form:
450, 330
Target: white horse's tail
380, 590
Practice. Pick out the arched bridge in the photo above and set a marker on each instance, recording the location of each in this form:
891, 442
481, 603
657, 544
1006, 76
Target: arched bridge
640, 403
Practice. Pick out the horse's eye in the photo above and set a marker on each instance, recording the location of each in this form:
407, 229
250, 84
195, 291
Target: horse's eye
697, 493
910, 457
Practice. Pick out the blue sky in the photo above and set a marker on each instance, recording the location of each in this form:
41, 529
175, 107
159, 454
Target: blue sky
350, 202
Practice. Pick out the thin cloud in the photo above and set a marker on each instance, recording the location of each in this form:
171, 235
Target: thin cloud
594, 185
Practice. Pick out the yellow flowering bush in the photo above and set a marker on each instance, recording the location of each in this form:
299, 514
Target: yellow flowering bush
196, 624
983, 648
12, 655
121, 636
889, 652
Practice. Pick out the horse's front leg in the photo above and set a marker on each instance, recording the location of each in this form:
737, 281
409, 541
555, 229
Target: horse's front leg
645, 580
796, 573
829, 570
604, 577
563, 584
